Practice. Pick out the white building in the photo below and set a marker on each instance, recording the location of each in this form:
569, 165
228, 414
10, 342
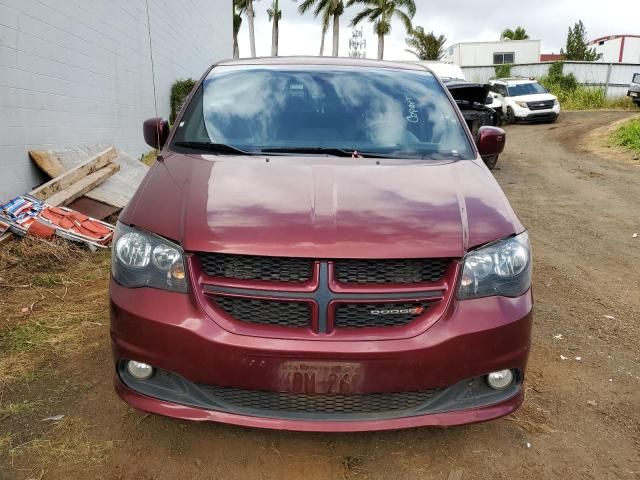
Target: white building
79, 72
617, 48
493, 53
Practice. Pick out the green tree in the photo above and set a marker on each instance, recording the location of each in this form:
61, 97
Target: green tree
380, 13
275, 14
577, 46
425, 46
327, 9
518, 34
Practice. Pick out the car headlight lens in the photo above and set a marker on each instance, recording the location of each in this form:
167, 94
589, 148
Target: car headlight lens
522, 104
502, 268
141, 259
556, 102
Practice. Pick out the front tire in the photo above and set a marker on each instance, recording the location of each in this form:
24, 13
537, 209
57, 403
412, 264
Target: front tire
511, 116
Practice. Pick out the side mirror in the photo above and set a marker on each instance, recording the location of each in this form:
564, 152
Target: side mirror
491, 140
156, 131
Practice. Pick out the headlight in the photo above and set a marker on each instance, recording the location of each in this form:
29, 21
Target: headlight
556, 102
502, 268
140, 259
522, 104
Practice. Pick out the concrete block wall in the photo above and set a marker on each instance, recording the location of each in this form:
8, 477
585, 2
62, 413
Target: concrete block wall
76, 72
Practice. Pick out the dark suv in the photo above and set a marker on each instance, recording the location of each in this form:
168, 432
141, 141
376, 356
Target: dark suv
320, 247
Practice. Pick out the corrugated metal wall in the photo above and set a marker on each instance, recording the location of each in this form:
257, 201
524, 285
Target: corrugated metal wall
79, 72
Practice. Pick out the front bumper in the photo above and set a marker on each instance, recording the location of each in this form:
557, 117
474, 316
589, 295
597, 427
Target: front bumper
527, 115
170, 332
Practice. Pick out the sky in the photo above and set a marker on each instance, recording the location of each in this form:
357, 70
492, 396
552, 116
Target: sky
459, 21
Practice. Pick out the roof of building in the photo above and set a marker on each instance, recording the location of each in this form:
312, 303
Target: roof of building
494, 42
550, 57
612, 37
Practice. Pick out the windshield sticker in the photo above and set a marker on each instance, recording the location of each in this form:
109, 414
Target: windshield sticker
413, 110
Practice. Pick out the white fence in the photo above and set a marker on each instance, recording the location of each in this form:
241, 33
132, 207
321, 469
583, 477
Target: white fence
613, 77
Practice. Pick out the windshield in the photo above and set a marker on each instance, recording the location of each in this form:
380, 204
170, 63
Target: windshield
379, 111
526, 89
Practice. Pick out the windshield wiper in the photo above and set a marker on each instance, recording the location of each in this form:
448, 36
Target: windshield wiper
336, 152
214, 147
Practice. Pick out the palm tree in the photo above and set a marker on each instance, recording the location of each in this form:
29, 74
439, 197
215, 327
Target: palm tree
425, 46
250, 16
275, 14
238, 10
381, 12
518, 34
328, 9
325, 27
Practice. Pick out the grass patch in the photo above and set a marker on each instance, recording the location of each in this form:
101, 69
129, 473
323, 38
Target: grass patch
628, 136
149, 158
22, 337
52, 296
11, 409
66, 444
587, 98
46, 280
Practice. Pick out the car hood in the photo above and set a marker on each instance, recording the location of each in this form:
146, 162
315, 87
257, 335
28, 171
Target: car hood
468, 92
322, 208
536, 97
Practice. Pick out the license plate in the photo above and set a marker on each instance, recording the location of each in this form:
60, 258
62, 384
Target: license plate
634, 94
320, 377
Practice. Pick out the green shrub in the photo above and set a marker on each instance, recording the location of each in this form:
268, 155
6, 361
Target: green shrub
179, 93
628, 135
556, 76
503, 71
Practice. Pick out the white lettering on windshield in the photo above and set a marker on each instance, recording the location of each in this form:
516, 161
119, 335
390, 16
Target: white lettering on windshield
413, 110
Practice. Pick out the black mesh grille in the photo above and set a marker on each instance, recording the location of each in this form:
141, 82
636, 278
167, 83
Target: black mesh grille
266, 312
360, 315
543, 105
251, 267
318, 403
391, 271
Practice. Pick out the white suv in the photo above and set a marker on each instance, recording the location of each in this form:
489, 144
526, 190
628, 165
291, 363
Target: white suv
524, 99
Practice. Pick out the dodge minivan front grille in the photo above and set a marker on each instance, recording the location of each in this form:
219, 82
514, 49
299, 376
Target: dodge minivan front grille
253, 267
319, 403
266, 312
322, 296
391, 271
362, 315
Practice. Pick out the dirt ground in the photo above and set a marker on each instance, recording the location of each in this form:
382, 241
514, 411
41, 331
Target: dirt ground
581, 417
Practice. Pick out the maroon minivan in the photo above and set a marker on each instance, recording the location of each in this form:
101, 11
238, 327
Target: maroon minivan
320, 247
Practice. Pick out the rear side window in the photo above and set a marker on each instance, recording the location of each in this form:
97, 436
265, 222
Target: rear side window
372, 110
636, 78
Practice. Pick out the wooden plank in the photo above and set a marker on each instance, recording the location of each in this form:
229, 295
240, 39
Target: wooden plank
81, 187
69, 178
93, 208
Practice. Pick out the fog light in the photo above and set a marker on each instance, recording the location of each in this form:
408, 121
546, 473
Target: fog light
500, 380
139, 370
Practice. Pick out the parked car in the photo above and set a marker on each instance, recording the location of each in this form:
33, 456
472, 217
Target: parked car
525, 99
444, 70
634, 89
475, 103
319, 247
